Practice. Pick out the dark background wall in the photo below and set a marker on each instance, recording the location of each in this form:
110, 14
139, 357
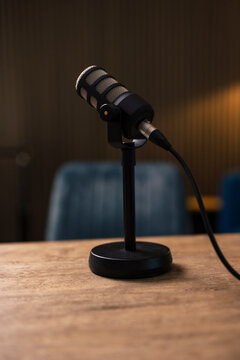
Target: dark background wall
181, 56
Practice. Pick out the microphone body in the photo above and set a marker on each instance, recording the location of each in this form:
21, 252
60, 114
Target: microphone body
98, 88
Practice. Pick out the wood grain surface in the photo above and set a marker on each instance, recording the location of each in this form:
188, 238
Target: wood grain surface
53, 307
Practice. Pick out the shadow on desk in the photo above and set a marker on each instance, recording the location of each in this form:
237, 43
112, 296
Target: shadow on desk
176, 271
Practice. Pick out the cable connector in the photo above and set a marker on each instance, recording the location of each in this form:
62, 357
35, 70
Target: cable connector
158, 138
154, 135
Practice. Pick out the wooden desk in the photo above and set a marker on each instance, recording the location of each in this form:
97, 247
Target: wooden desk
52, 307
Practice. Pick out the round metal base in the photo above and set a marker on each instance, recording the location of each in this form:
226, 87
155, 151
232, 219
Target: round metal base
113, 261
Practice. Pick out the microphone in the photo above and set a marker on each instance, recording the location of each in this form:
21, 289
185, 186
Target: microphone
98, 88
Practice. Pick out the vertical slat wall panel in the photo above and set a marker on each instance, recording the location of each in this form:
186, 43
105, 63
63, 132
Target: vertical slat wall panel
182, 56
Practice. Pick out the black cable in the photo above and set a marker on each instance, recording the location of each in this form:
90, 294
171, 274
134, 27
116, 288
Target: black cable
159, 139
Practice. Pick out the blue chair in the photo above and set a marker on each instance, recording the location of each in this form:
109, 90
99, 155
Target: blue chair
86, 201
229, 215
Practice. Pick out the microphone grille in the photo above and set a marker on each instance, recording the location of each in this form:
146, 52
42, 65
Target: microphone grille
82, 75
113, 94
97, 87
104, 84
94, 75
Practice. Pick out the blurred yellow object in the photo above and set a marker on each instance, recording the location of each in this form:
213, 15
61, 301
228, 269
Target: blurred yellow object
211, 203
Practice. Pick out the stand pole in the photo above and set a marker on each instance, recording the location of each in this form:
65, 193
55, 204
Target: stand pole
128, 163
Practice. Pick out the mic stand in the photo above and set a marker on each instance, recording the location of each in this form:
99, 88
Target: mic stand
128, 259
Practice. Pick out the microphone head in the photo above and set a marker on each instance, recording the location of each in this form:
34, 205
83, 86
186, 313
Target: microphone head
97, 87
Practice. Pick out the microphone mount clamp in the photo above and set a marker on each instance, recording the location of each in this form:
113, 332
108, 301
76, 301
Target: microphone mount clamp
113, 116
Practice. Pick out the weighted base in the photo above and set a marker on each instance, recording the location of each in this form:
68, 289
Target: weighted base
113, 261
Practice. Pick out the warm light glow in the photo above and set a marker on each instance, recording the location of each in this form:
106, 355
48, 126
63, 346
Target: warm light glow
206, 129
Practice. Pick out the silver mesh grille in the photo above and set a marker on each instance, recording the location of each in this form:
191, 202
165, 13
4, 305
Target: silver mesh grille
83, 93
82, 74
96, 100
115, 92
93, 101
104, 84
94, 75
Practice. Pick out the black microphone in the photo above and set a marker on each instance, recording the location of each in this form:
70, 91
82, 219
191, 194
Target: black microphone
98, 88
